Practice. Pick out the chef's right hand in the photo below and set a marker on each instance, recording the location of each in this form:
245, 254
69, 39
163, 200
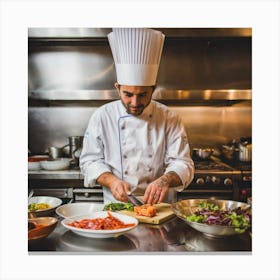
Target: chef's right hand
120, 189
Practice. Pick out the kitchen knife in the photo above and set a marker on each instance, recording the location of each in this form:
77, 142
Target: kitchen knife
134, 200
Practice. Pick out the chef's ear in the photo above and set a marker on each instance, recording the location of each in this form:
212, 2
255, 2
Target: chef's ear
117, 86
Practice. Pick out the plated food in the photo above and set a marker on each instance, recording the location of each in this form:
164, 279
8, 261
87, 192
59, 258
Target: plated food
216, 218
43, 206
110, 222
100, 224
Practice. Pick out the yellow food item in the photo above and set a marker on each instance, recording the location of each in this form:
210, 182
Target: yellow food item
38, 206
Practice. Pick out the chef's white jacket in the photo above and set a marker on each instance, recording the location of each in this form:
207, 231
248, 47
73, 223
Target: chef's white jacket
137, 149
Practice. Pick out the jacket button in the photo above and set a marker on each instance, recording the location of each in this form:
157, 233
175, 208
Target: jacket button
124, 156
125, 172
150, 156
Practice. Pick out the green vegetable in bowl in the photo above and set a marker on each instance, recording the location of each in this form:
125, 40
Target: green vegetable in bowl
196, 218
208, 206
211, 214
117, 206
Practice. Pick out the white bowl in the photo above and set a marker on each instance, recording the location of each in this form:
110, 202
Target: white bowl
100, 233
78, 208
54, 202
56, 164
35, 165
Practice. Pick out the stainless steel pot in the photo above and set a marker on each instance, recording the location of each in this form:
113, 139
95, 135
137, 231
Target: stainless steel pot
241, 150
75, 146
55, 152
230, 152
202, 153
245, 149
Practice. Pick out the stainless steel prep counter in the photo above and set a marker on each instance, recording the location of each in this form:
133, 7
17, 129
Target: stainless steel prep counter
173, 236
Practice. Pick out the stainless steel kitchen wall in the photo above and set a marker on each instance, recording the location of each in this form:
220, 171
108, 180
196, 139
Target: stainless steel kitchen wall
187, 63
74, 65
207, 126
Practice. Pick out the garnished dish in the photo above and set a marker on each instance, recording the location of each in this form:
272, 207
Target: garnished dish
108, 223
100, 224
215, 218
38, 206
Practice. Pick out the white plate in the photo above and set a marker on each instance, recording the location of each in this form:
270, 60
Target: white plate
100, 233
78, 208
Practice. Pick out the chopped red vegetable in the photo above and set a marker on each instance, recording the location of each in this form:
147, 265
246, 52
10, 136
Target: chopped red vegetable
36, 159
108, 223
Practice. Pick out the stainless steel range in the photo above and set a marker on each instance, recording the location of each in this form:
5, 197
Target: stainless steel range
213, 179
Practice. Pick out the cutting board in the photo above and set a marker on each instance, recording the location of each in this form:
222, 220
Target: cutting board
164, 213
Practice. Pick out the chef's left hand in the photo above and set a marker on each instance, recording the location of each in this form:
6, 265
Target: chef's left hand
156, 191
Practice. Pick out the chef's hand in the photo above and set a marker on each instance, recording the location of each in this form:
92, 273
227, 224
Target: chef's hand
118, 187
158, 189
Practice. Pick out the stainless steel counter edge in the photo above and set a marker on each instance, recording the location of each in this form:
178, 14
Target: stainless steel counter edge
76, 174
58, 174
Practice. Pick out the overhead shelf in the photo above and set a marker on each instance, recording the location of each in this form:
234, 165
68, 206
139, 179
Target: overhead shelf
80, 33
159, 94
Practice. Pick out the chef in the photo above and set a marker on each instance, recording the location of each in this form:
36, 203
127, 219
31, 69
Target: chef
135, 144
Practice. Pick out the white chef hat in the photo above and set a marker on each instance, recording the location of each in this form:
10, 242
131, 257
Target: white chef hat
137, 53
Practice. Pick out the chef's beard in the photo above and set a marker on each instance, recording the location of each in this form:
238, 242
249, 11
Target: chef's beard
138, 112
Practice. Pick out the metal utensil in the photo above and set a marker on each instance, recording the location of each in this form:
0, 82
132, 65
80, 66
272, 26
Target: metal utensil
134, 200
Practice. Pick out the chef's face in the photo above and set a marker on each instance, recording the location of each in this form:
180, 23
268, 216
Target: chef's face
135, 98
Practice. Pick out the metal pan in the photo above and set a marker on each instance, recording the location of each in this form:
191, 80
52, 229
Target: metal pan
202, 153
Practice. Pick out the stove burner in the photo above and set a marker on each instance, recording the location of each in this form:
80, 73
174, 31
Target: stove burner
211, 165
238, 165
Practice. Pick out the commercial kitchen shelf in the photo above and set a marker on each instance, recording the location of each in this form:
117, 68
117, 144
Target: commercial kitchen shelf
159, 94
58, 174
102, 33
